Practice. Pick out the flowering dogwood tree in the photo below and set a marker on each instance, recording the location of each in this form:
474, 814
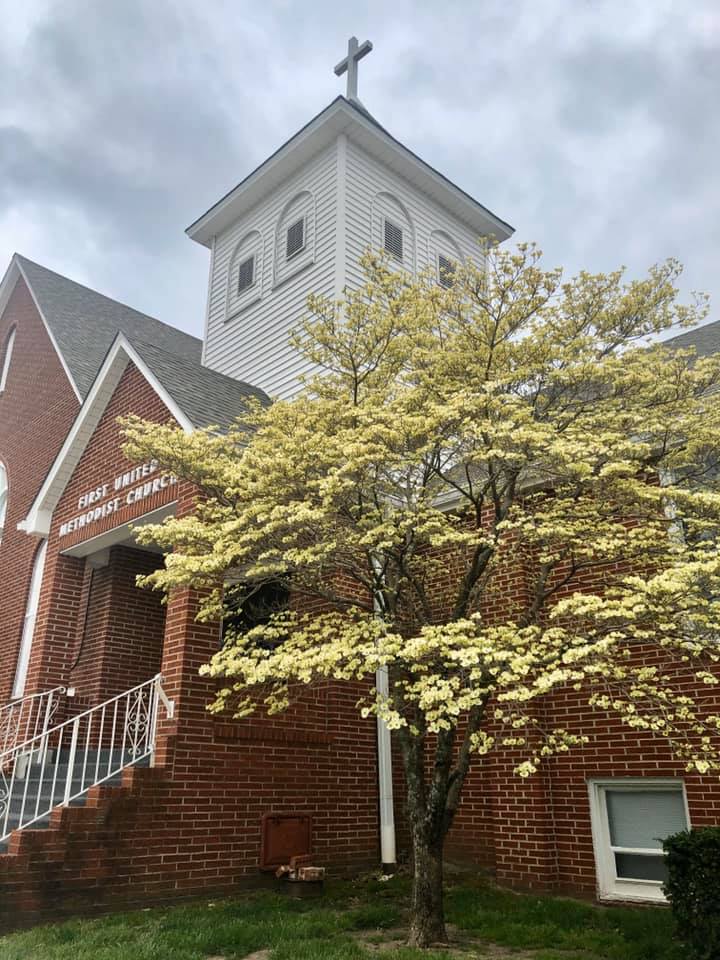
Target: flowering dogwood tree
451, 430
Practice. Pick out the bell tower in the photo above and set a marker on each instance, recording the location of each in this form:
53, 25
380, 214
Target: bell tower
300, 223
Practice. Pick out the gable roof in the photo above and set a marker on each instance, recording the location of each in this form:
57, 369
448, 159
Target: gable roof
340, 116
195, 396
705, 339
206, 398
83, 324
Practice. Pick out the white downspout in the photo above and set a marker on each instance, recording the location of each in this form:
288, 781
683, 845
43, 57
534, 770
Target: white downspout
385, 784
388, 856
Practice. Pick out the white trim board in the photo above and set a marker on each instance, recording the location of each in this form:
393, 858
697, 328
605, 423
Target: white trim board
338, 118
120, 534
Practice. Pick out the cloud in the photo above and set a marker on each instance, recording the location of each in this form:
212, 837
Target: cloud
590, 126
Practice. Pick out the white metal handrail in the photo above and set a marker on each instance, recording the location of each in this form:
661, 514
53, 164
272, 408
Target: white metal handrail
24, 719
86, 750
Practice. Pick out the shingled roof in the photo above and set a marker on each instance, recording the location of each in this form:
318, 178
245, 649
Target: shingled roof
340, 116
705, 339
206, 397
84, 325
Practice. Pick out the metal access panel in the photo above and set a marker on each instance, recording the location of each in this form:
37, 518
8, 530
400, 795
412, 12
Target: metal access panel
284, 835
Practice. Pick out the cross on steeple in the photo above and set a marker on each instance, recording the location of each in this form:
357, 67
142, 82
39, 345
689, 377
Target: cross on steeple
350, 63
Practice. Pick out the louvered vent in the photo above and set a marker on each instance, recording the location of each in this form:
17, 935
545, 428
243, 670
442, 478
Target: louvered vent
295, 238
446, 271
393, 240
246, 274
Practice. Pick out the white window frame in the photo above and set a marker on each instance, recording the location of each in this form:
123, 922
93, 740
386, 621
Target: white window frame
609, 885
7, 359
4, 490
301, 248
302, 206
387, 206
438, 270
31, 609
237, 301
389, 222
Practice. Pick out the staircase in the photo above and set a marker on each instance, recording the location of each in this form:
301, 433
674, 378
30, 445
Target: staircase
42, 788
58, 766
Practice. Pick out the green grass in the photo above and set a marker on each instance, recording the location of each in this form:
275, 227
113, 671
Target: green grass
351, 922
556, 927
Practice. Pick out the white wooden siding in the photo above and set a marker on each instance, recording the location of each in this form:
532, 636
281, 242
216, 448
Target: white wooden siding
345, 184
366, 180
254, 345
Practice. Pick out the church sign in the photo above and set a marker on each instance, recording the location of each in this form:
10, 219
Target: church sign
108, 498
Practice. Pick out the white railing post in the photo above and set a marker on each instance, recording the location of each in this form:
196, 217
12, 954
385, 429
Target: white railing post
138, 711
132, 721
49, 711
24, 720
71, 761
157, 694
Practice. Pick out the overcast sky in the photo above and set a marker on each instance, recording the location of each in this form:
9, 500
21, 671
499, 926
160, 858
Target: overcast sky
592, 127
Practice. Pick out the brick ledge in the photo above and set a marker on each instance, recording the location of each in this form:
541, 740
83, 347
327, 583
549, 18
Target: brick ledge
232, 731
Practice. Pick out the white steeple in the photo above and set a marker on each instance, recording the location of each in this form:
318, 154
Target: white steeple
301, 221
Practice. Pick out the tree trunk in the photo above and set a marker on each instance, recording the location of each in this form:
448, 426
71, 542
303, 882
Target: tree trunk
427, 924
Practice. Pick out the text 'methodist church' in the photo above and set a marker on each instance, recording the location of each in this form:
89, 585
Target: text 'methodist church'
116, 785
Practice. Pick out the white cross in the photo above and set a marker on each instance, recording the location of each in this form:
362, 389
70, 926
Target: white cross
350, 63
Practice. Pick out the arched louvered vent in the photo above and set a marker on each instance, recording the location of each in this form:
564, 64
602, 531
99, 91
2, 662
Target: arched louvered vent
393, 240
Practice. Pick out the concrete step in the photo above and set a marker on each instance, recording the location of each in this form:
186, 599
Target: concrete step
93, 764
32, 792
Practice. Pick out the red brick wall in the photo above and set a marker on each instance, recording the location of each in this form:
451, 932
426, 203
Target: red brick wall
120, 638
537, 833
103, 460
37, 408
63, 599
196, 826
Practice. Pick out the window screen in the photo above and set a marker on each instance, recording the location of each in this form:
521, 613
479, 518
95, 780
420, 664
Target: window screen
640, 866
393, 240
638, 822
246, 274
295, 238
643, 818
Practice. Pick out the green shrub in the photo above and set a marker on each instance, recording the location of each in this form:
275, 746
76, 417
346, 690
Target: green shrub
693, 888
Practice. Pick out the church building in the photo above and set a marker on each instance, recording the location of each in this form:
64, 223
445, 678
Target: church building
116, 784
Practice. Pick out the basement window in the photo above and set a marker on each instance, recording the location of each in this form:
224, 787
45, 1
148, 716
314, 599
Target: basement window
295, 240
393, 240
630, 820
246, 274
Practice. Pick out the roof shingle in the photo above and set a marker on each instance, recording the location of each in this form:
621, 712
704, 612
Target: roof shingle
85, 324
705, 339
